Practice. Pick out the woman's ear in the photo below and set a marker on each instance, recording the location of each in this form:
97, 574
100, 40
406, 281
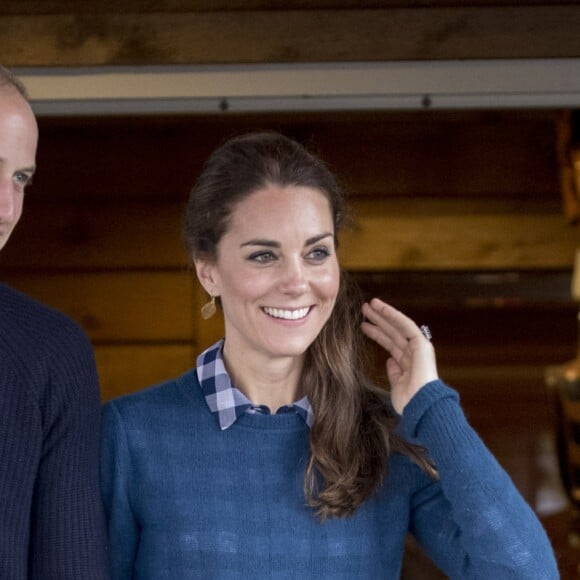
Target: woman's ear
207, 275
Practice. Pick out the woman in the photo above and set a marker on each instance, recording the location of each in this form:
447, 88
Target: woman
276, 457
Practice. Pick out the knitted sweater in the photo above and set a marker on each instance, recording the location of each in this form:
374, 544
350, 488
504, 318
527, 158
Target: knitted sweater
51, 520
186, 500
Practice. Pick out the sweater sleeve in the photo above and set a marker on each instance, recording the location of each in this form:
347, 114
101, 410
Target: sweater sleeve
472, 521
67, 531
20, 451
115, 479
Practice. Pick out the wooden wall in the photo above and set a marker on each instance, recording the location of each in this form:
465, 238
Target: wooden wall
454, 193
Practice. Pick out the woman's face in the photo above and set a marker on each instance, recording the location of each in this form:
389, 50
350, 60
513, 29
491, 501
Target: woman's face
276, 271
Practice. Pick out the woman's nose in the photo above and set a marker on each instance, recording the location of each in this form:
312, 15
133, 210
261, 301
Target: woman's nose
294, 280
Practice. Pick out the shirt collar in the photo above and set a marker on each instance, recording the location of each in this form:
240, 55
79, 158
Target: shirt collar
226, 401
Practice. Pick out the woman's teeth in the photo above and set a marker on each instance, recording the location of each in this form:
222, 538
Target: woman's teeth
287, 314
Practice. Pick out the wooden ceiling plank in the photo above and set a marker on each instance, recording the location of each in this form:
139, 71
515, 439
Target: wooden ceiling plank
31, 7
290, 36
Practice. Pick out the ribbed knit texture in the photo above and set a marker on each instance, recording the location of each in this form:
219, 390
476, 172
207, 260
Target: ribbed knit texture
51, 520
185, 500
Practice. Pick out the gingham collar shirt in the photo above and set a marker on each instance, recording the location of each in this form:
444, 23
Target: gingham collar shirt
226, 401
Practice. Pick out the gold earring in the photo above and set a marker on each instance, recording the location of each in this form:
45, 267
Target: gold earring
209, 309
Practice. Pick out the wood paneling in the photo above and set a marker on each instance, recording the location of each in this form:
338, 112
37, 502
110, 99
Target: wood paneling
85, 39
412, 234
93, 234
441, 234
153, 158
507, 154
117, 306
128, 368
488, 180
568, 166
465, 154
496, 337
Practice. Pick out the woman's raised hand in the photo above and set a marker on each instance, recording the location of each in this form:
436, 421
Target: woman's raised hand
411, 363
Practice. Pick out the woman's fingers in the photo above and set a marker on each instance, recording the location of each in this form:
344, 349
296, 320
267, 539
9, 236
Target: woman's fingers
382, 312
390, 328
383, 338
411, 363
382, 328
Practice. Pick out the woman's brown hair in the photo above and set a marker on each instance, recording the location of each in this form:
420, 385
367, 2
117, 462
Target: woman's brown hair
353, 431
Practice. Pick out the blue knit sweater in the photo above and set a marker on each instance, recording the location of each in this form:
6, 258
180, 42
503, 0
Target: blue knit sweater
51, 521
185, 500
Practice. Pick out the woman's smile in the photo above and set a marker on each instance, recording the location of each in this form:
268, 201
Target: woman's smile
287, 314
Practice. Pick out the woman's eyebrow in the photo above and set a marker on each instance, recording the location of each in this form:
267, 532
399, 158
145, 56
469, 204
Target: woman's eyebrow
315, 239
274, 244
258, 242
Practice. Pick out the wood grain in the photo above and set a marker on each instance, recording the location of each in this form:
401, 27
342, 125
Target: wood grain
163, 6
128, 368
88, 39
85, 234
119, 306
438, 234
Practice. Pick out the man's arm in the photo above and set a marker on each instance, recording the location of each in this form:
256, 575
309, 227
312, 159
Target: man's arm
67, 538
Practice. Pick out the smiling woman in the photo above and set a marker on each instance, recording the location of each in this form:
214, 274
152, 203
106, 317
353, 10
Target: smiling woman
277, 456
277, 276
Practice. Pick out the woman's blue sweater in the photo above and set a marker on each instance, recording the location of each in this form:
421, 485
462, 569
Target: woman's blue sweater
186, 500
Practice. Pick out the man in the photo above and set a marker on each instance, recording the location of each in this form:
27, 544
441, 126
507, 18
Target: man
51, 522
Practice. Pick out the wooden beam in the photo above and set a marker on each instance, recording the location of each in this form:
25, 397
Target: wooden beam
440, 234
119, 306
158, 6
573, 191
83, 234
443, 153
569, 167
290, 36
479, 155
388, 234
129, 368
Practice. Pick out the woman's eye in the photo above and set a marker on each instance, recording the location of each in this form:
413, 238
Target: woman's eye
319, 254
262, 257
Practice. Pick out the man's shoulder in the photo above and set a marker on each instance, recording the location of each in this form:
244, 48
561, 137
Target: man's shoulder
19, 308
28, 324
41, 348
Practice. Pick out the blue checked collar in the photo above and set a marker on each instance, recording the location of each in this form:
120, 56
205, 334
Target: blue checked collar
226, 401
